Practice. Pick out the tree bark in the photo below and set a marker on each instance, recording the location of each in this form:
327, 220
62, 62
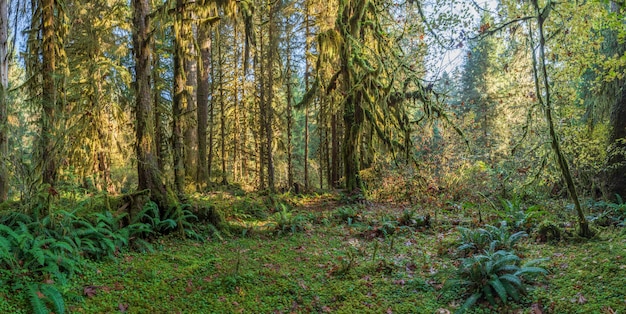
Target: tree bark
204, 39
334, 173
562, 162
147, 171
4, 82
288, 79
349, 25
307, 85
49, 94
269, 110
616, 173
179, 99
615, 178
190, 131
220, 61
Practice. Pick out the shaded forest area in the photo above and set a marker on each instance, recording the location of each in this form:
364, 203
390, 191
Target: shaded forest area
348, 156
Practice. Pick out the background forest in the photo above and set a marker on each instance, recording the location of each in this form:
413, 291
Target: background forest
122, 123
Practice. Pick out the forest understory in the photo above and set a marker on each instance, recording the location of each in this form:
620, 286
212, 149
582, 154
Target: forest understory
324, 253
306, 156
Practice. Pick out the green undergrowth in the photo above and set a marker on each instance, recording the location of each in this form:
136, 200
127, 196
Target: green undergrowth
290, 254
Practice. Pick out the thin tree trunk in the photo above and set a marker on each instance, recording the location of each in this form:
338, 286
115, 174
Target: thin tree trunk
289, 110
158, 118
179, 99
335, 152
204, 39
222, 110
49, 94
4, 82
269, 110
212, 114
236, 124
582, 221
190, 131
307, 84
262, 115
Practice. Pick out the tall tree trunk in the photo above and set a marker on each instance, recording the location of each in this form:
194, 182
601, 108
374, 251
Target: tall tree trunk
616, 174
190, 130
307, 85
243, 122
220, 61
262, 115
349, 25
4, 82
334, 173
288, 80
204, 39
179, 99
147, 171
269, 110
212, 111
236, 124
158, 117
541, 16
49, 94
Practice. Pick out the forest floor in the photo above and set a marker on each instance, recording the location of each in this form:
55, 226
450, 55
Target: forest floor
326, 257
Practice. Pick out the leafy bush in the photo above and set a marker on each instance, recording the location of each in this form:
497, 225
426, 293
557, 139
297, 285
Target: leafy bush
494, 274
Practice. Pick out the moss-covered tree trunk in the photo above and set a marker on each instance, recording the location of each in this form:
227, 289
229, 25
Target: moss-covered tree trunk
4, 81
349, 20
616, 173
147, 171
542, 14
615, 178
48, 119
179, 98
204, 41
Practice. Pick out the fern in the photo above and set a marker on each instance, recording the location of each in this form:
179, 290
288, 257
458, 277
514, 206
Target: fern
494, 275
54, 297
40, 295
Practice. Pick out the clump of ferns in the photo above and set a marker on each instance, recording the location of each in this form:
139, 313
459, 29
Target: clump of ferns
473, 241
494, 275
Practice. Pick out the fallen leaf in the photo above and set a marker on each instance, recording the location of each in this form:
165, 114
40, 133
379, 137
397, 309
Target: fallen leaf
123, 307
399, 282
580, 299
389, 311
90, 291
302, 285
189, 288
442, 311
536, 308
